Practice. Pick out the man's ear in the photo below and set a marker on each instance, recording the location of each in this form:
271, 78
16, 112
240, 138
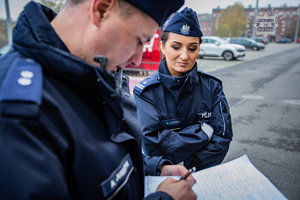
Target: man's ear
98, 9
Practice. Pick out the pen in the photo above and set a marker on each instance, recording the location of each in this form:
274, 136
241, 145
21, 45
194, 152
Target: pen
193, 169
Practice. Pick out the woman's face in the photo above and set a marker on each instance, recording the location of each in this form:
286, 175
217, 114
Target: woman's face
181, 53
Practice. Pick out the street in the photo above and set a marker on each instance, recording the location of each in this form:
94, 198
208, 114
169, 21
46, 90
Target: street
263, 92
264, 97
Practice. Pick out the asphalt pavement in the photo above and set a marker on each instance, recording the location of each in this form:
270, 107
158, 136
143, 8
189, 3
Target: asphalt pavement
264, 98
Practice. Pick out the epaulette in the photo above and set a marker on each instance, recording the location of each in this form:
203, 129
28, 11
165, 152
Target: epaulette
23, 83
146, 83
202, 73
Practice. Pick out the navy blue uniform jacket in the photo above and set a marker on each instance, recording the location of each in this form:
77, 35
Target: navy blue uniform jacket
184, 118
60, 123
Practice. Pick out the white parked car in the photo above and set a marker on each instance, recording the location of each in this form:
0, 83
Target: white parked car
214, 46
4, 49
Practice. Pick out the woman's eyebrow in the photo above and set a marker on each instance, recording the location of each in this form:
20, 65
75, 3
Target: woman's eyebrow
176, 42
193, 43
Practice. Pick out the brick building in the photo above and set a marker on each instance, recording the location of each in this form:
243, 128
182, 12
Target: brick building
284, 16
205, 21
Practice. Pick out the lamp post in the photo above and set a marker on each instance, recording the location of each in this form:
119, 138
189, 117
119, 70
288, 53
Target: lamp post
8, 22
254, 22
296, 32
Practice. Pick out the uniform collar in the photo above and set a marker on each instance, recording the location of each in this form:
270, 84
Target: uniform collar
175, 83
35, 38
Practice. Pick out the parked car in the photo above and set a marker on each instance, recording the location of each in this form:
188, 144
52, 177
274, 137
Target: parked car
284, 40
214, 46
298, 40
4, 49
261, 40
226, 38
248, 43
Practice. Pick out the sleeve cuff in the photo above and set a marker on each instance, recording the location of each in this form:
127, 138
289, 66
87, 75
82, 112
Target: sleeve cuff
154, 165
159, 196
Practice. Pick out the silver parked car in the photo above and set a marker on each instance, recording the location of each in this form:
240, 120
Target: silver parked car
214, 46
4, 49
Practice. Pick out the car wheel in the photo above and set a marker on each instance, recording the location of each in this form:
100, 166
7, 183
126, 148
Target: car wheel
254, 48
228, 55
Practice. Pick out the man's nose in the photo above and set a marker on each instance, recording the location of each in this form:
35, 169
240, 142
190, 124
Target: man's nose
136, 58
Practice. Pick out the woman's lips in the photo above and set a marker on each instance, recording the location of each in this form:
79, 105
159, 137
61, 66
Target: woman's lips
182, 64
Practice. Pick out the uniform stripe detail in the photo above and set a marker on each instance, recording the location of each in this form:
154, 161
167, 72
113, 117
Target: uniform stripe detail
140, 86
223, 118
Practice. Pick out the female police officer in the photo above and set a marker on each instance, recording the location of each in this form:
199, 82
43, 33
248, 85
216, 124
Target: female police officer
183, 113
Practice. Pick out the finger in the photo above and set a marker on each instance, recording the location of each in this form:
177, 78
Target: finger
170, 180
182, 170
191, 179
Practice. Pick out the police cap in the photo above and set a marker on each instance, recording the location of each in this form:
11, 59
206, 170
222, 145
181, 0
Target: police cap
184, 22
159, 10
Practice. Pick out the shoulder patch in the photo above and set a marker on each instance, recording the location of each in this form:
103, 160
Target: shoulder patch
146, 83
23, 82
202, 73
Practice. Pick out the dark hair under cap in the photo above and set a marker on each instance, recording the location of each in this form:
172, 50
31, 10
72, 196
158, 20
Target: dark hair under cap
184, 22
159, 10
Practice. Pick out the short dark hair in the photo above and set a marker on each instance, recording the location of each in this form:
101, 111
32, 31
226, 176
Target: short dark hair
165, 36
126, 8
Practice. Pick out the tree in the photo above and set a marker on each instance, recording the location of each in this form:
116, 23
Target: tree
3, 31
231, 21
55, 5
292, 30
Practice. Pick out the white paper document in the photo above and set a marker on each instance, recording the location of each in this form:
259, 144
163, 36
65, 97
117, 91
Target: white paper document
237, 179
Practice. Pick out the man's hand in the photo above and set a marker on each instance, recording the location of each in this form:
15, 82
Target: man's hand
178, 190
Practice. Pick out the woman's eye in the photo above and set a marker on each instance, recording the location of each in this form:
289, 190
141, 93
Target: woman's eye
192, 49
175, 47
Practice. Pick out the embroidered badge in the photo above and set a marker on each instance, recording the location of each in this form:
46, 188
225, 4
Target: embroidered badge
185, 29
23, 82
25, 78
171, 124
118, 178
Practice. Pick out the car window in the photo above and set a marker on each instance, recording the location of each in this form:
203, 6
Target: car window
222, 41
250, 40
246, 41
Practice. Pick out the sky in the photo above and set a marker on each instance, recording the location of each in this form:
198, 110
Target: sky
200, 6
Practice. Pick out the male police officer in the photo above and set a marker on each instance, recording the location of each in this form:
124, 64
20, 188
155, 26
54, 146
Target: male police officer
61, 133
